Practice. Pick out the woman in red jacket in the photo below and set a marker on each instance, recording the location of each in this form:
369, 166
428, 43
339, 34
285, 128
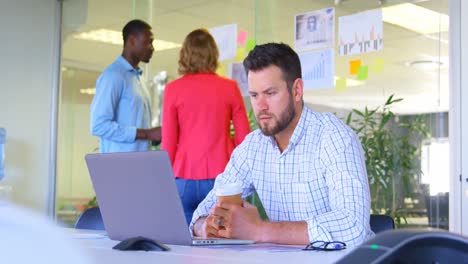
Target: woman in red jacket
197, 112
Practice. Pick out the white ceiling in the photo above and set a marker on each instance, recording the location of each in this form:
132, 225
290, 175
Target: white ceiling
423, 91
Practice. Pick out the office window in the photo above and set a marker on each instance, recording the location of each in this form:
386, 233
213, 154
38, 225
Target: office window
412, 64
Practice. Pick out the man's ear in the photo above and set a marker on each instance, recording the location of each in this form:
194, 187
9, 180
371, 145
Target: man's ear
298, 90
131, 41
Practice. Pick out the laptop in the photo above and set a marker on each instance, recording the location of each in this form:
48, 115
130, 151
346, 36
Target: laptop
137, 196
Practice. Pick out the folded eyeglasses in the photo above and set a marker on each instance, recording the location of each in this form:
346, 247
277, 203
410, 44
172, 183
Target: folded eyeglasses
325, 245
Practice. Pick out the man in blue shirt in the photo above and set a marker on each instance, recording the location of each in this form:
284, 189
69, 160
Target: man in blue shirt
307, 167
120, 111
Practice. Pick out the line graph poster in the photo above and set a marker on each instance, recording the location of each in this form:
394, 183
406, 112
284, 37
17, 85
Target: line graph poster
360, 33
318, 69
315, 29
226, 40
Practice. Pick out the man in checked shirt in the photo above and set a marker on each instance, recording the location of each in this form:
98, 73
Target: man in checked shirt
307, 167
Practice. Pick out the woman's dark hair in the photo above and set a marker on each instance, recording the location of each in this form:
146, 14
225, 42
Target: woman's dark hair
278, 54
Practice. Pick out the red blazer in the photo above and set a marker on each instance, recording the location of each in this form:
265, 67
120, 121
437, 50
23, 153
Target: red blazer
197, 112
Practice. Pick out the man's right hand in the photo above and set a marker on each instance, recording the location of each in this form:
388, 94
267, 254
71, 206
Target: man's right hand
153, 134
207, 226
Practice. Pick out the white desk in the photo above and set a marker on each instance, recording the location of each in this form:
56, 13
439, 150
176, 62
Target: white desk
100, 250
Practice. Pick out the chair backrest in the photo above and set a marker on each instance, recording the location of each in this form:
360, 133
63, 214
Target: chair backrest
380, 223
90, 219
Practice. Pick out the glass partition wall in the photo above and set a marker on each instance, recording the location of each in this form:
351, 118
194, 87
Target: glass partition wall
407, 158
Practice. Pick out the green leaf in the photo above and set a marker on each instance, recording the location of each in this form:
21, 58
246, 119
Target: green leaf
348, 119
359, 113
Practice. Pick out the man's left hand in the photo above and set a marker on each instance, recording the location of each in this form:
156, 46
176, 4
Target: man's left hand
239, 222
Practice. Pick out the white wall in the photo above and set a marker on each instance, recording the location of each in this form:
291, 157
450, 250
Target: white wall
28, 69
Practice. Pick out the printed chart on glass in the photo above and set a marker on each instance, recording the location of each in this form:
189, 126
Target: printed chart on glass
237, 72
226, 39
315, 29
318, 69
360, 33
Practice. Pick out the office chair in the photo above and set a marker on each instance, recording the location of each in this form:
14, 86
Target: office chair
90, 219
380, 223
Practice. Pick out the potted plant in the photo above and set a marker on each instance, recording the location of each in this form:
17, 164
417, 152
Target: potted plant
391, 147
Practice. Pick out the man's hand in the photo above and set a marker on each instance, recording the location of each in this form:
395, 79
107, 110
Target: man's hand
239, 222
207, 226
153, 134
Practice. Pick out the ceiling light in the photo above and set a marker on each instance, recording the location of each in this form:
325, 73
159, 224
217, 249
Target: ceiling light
350, 82
409, 16
426, 65
115, 37
88, 91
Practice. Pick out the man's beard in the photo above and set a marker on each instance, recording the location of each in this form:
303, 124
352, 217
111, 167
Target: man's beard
285, 119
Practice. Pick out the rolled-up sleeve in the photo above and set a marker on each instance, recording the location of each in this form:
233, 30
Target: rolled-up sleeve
348, 192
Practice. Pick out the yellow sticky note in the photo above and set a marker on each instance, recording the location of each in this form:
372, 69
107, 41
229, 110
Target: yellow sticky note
221, 71
340, 85
249, 45
240, 54
363, 73
354, 66
377, 66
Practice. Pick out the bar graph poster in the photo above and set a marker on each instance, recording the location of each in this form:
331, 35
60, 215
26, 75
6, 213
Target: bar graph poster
360, 33
318, 69
315, 29
226, 39
237, 72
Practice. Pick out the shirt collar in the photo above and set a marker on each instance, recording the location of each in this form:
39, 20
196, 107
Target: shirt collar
127, 66
298, 131
300, 127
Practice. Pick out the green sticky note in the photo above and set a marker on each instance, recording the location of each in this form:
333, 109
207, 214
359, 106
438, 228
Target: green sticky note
340, 85
377, 66
362, 73
249, 45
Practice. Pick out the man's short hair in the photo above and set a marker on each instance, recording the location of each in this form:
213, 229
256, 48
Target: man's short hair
278, 54
199, 53
134, 27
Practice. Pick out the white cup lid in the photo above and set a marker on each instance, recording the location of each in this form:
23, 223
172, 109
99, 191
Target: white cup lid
228, 189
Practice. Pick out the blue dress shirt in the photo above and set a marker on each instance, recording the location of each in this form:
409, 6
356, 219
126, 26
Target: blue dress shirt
120, 106
319, 178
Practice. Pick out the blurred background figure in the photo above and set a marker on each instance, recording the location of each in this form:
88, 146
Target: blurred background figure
197, 112
121, 111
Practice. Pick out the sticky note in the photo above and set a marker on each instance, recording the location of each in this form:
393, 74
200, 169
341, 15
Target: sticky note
362, 73
240, 54
249, 45
241, 37
221, 71
340, 85
377, 66
354, 66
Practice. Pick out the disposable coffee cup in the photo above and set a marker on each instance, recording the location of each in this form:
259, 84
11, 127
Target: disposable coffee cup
229, 193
